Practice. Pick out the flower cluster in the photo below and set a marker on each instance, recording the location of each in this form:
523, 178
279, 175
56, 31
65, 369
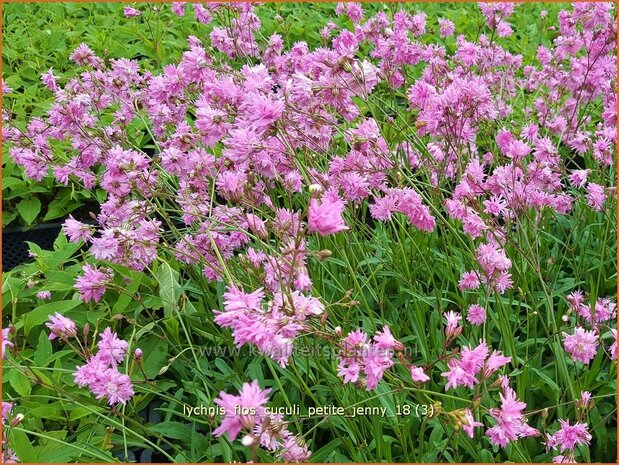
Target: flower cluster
464, 367
272, 328
511, 422
582, 344
101, 374
364, 362
246, 412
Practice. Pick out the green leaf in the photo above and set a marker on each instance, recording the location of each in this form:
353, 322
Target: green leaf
44, 348
22, 447
174, 430
21, 383
9, 182
127, 297
155, 355
169, 288
29, 209
324, 451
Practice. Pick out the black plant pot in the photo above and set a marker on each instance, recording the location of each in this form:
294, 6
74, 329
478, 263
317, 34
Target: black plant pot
15, 248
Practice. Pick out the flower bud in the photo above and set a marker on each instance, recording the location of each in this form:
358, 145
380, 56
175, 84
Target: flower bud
315, 190
137, 354
17, 419
324, 253
248, 440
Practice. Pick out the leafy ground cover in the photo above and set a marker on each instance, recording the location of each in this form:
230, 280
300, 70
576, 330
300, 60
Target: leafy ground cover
328, 233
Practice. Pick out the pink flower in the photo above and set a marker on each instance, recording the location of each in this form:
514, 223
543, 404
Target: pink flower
44, 295
6, 410
9, 456
294, 450
511, 423
243, 411
494, 362
76, 231
5, 340
130, 12
583, 402
452, 328
568, 436
464, 368
613, 347
447, 27
178, 8
360, 357
112, 350
470, 424
582, 345
596, 196
418, 375
469, 280
61, 326
326, 218
92, 284
49, 80
385, 340
113, 385
578, 178
88, 374
476, 314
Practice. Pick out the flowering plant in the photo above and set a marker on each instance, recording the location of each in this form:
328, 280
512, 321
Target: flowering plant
402, 215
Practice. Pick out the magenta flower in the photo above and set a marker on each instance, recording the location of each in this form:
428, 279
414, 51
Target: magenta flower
114, 386
471, 424
511, 423
294, 450
582, 345
326, 218
568, 436
130, 12
92, 284
61, 326
5, 340
77, 231
418, 374
476, 314
243, 411
112, 350
462, 370
44, 295
494, 362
